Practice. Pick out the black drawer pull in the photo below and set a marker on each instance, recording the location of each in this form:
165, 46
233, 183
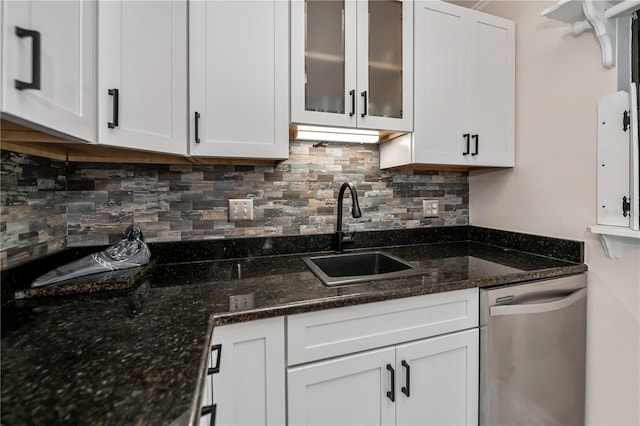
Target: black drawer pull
477, 140
216, 369
364, 95
353, 103
35, 59
197, 119
406, 389
466, 137
209, 409
392, 393
116, 101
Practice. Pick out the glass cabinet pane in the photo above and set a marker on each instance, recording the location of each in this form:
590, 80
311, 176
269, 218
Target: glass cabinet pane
324, 56
385, 58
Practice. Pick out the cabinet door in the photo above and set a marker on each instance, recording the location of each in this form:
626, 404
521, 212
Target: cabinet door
385, 65
352, 63
464, 90
143, 55
239, 79
442, 374
491, 95
65, 99
441, 83
323, 62
350, 390
249, 389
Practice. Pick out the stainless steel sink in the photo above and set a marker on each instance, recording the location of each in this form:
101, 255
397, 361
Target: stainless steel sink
359, 267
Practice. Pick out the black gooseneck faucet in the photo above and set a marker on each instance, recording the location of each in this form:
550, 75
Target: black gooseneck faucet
341, 238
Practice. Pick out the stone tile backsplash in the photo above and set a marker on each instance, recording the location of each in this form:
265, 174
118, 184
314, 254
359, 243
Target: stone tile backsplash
44, 201
32, 207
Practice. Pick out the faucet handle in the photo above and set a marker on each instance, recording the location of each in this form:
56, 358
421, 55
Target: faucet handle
349, 238
343, 238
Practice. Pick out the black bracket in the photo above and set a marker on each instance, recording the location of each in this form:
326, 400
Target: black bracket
216, 369
210, 409
626, 120
626, 206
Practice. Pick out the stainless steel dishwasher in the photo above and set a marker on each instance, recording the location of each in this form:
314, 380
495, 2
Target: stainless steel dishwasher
532, 353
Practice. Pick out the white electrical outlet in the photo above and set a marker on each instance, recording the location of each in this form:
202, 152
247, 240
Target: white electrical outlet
430, 208
240, 209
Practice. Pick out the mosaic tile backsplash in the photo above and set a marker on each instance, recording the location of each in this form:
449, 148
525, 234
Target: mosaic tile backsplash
32, 207
46, 203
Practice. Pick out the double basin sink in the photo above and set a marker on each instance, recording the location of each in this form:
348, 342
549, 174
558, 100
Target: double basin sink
339, 269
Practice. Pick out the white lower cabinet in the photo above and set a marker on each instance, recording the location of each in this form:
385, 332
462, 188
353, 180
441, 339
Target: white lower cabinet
429, 382
408, 361
246, 374
442, 377
349, 390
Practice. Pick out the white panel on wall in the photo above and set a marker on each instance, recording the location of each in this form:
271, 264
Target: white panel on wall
613, 160
634, 159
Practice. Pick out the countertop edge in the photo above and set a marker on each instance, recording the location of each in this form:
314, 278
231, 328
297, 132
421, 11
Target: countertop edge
194, 410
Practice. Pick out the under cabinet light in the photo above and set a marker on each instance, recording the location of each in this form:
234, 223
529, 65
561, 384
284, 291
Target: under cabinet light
337, 134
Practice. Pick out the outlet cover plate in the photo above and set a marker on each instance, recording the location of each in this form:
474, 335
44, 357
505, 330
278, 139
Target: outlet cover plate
240, 209
430, 208
241, 302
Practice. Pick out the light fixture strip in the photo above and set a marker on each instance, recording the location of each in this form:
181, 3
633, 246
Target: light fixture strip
337, 134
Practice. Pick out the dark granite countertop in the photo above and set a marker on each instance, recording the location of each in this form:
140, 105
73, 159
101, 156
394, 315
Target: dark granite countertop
132, 357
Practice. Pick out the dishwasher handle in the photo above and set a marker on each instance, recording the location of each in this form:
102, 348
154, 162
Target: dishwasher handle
535, 308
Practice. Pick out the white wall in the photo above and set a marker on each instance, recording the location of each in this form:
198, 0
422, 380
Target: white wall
552, 191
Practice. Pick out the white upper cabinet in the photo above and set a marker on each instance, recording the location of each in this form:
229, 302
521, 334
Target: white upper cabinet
464, 90
352, 63
48, 65
142, 84
492, 90
239, 79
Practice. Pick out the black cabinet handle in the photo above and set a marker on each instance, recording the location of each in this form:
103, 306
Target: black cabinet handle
116, 101
364, 95
392, 393
353, 103
466, 137
35, 59
197, 119
209, 409
406, 389
476, 138
216, 369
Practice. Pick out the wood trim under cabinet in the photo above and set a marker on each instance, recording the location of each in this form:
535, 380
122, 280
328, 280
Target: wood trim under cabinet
18, 138
441, 167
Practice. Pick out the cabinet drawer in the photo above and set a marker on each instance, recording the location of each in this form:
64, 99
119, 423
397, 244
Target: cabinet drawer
325, 334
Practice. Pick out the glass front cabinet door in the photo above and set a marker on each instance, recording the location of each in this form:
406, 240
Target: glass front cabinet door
352, 63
